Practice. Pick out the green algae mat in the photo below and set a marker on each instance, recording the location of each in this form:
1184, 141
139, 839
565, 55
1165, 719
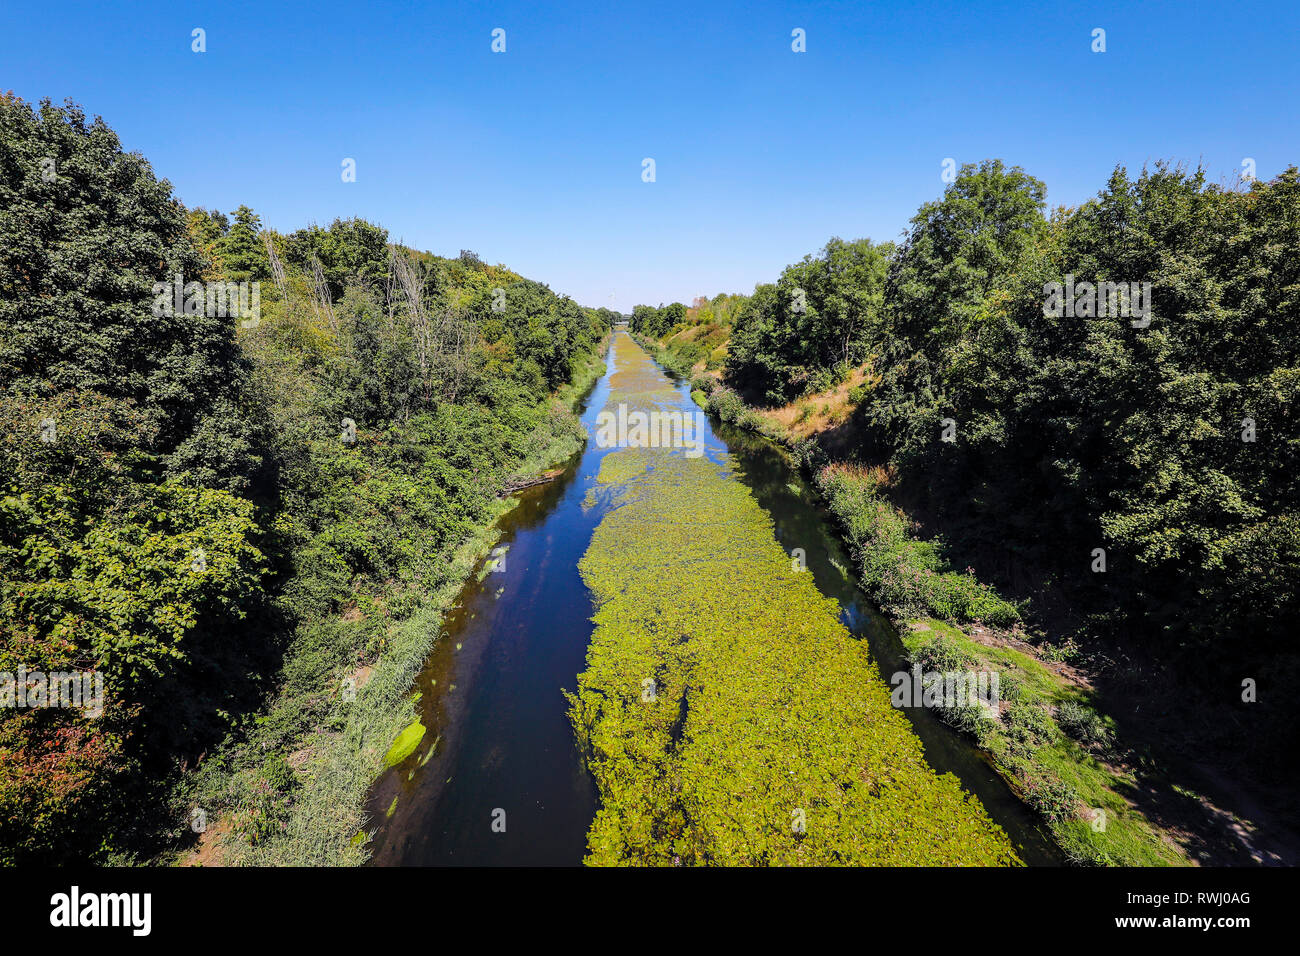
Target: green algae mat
727, 715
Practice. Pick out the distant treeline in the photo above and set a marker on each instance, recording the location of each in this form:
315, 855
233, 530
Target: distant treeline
206, 508
1106, 396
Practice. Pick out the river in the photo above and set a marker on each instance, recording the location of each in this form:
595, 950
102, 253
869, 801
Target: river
498, 778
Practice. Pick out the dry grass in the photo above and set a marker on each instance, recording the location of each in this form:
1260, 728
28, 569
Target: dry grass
877, 476
691, 333
814, 414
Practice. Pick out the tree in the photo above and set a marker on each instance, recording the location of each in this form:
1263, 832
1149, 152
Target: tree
959, 248
821, 318
206, 231
80, 253
126, 430
241, 250
351, 251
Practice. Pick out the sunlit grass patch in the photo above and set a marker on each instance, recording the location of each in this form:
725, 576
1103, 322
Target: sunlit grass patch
817, 412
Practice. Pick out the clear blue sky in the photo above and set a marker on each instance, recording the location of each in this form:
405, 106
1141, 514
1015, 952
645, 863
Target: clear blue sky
533, 157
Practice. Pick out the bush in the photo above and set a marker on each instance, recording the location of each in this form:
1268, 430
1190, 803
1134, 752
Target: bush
1051, 796
1028, 727
727, 405
809, 455
704, 383
824, 379
907, 577
940, 653
1084, 724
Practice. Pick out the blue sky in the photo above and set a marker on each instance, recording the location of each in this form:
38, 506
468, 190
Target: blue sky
533, 157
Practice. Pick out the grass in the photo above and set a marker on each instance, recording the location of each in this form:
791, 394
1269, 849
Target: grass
1057, 776
696, 348
906, 576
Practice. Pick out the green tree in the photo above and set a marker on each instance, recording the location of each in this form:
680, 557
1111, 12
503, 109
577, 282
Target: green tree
81, 249
959, 248
242, 253
821, 318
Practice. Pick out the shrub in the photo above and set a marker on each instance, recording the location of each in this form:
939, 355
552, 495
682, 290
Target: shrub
1028, 727
1084, 724
704, 383
1051, 796
726, 404
940, 654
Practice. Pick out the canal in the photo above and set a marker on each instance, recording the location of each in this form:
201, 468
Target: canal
498, 778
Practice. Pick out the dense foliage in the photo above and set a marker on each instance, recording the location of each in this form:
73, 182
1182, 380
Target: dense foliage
204, 505
1160, 438
128, 440
820, 319
1038, 437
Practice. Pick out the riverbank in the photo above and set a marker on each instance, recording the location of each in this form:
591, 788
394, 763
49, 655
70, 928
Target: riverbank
292, 791
727, 714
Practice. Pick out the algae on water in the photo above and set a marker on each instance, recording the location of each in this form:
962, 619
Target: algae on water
405, 744
727, 715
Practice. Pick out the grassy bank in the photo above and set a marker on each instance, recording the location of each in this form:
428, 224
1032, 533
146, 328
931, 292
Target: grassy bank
695, 347
1050, 742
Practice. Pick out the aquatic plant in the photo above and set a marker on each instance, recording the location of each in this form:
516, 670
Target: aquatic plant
726, 713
